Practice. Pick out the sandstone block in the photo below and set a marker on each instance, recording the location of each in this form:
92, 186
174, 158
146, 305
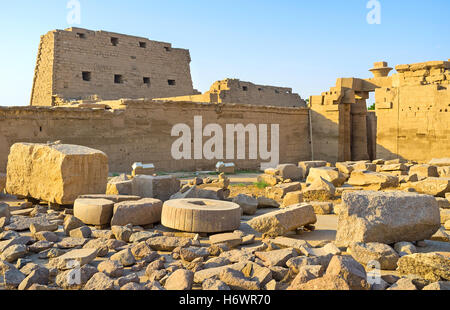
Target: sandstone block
433, 186
159, 187
73, 259
141, 212
350, 270
56, 173
430, 266
271, 180
264, 202
290, 171
440, 162
373, 251
306, 165
278, 223
93, 211
201, 215
372, 180
248, 204
292, 198
120, 187
424, 171
329, 174
278, 191
319, 190
386, 217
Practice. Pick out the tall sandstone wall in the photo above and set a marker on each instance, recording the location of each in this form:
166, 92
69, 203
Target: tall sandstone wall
140, 131
414, 113
77, 63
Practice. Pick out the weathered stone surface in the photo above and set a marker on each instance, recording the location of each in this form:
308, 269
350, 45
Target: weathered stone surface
112, 268
236, 280
346, 168
40, 246
22, 223
201, 215
386, 217
306, 274
36, 227
181, 279
125, 257
12, 277
278, 223
405, 248
440, 162
23, 240
278, 191
116, 198
12, 253
205, 274
46, 236
4, 211
350, 270
433, 186
248, 204
38, 276
438, 286
2, 182
430, 266
269, 179
424, 171
100, 245
326, 283
73, 259
373, 251
443, 203
404, 284
158, 187
142, 212
372, 180
122, 187
100, 281
364, 166
230, 239
290, 172
320, 189
264, 202
70, 243
441, 235
329, 174
81, 232
191, 253
285, 242
93, 211
322, 208
292, 198
69, 170
72, 222
168, 244
214, 285
277, 257
305, 166
445, 215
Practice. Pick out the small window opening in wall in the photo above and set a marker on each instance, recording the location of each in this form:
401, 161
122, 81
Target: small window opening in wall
171, 82
167, 48
115, 41
118, 79
81, 35
147, 81
277, 91
40, 128
142, 44
86, 76
244, 88
260, 89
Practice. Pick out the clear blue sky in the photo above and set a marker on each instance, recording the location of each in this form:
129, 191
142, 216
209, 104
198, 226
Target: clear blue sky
305, 45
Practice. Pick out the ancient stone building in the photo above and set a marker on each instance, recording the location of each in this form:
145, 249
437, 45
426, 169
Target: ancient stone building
236, 91
412, 115
77, 63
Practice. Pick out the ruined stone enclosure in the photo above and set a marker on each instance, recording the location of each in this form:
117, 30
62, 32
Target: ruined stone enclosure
123, 94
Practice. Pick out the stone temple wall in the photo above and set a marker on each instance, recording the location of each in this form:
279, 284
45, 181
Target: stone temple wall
140, 130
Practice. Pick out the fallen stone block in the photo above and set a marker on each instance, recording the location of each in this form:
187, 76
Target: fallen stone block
372, 180
364, 253
142, 169
119, 187
330, 174
201, 215
93, 211
55, 173
364, 166
345, 167
271, 180
386, 217
424, 171
292, 198
159, 187
433, 186
280, 222
74, 259
322, 208
319, 190
116, 198
350, 270
306, 165
248, 204
140, 212
430, 266
440, 162
444, 172
290, 172
278, 191
264, 202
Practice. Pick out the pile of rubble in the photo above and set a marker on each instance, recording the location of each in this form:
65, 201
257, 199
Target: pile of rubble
149, 232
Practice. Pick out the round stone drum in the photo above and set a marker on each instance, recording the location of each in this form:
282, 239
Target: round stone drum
201, 215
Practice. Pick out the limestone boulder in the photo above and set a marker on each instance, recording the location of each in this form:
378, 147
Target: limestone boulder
158, 187
278, 191
264, 202
424, 171
364, 253
290, 171
56, 173
321, 189
330, 174
433, 186
93, 211
305, 166
280, 222
269, 179
372, 180
440, 162
248, 204
430, 266
386, 217
119, 187
138, 213
364, 166
350, 270
292, 198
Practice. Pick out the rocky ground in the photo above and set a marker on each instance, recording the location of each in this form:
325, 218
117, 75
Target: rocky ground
293, 235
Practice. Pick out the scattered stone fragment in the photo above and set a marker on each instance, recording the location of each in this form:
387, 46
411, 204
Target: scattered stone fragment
112, 268
264, 202
372, 180
278, 191
14, 252
181, 279
404, 284
306, 274
71, 222
278, 223
438, 286
236, 280
167, 244
125, 257
277, 257
46, 236
405, 248
40, 246
431, 266
441, 235
81, 232
12, 277
191, 253
100, 281
93, 211
350, 270
285, 242
38, 276
232, 240
70, 243
292, 198
73, 259
364, 253
141, 212
158, 187
433, 186
35, 228
322, 208
248, 204
320, 189
329, 174
386, 217
214, 285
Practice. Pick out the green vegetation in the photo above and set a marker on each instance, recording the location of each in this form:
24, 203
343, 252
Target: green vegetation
261, 185
372, 107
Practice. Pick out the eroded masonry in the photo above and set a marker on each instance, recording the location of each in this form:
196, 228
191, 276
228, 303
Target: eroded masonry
123, 94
